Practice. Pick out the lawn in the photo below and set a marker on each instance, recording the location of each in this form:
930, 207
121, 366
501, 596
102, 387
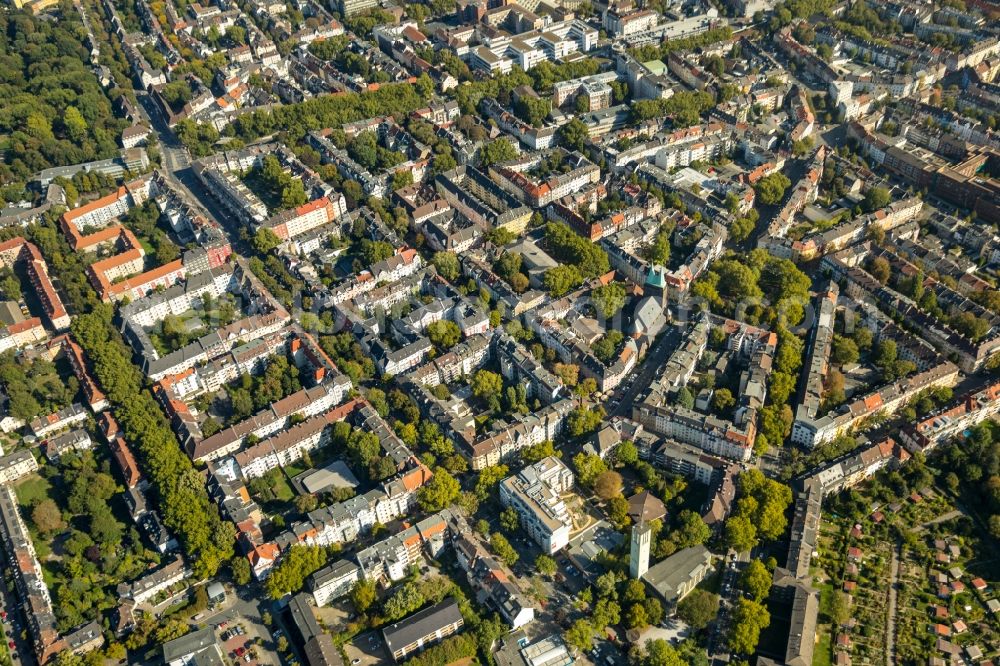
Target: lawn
32, 489
283, 491
823, 653
294, 469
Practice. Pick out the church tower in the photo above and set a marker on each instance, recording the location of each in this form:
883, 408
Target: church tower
641, 537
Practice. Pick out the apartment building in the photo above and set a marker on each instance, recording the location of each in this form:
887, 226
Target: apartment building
389, 560
100, 212
952, 421
308, 402
33, 594
494, 583
151, 584
73, 440
514, 176
292, 443
505, 440
16, 465
422, 629
596, 87
526, 49
472, 193
334, 581
535, 493
43, 426
815, 369
752, 349
19, 251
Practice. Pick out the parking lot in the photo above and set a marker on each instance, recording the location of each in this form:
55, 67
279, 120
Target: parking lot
367, 649
237, 644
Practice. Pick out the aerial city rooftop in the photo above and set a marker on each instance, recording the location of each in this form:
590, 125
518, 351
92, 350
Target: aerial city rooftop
525, 333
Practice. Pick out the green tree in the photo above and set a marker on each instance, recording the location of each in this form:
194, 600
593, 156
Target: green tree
844, 351
444, 334
723, 400
440, 492
545, 565
536, 452
291, 572
580, 635
447, 265
880, 269
497, 151
691, 530
363, 595
658, 252
561, 279
685, 398
573, 135
265, 240
583, 421
635, 618
876, 198
740, 534
749, 619
588, 467
626, 453
608, 299
509, 520
76, 126
661, 653
756, 580
240, 568
489, 478
486, 384
503, 549
698, 608
607, 346
771, 188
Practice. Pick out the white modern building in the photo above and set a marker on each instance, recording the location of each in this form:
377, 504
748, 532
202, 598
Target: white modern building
536, 494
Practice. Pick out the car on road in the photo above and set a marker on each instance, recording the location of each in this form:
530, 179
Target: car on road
355, 661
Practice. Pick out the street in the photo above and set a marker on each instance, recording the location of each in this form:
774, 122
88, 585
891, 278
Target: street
177, 170
626, 393
13, 623
718, 652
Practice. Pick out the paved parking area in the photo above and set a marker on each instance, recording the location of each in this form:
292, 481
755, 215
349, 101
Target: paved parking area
367, 649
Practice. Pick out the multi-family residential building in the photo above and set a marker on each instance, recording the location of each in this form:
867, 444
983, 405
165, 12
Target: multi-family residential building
73, 440
334, 581
422, 629
536, 494
575, 172
153, 583
43, 426
953, 420
389, 561
753, 348
16, 465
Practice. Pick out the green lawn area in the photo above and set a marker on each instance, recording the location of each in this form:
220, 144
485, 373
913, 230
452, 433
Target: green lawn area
295, 469
823, 654
283, 491
32, 490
